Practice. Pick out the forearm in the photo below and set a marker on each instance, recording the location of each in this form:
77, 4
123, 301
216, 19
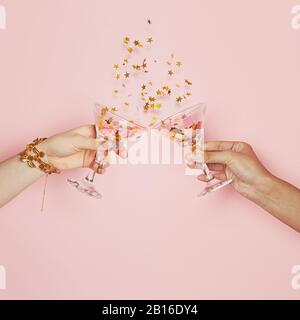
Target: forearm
15, 176
281, 199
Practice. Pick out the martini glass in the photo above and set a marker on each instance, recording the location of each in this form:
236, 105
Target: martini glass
187, 128
115, 133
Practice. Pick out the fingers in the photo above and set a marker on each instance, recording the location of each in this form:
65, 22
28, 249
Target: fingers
87, 131
236, 146
220, 176
86, 143
218, 145
99, 168
220, 157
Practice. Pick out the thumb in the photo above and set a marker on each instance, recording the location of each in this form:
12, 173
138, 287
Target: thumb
222, 157
86, 143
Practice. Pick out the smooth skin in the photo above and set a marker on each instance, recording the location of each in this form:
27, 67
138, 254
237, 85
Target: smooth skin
238, 161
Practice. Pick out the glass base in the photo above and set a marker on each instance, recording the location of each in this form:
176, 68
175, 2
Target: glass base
214, 185
85, 187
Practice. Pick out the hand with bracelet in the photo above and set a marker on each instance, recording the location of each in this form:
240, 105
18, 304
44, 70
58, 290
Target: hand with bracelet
72, 149
237, 161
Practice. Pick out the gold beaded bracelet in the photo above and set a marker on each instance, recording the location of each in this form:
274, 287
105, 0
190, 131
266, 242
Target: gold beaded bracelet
33, 157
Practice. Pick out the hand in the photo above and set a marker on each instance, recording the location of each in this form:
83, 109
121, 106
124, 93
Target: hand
73, 149
236, 161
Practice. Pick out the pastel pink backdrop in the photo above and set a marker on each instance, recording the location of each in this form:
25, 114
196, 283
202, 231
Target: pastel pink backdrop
150, 236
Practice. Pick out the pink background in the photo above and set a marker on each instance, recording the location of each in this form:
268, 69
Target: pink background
149, 237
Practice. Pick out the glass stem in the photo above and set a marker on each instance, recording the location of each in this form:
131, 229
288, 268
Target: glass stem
91, 176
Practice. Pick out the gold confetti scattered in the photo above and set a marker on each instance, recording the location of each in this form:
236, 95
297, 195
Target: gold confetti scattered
137, 44
178, 85
178, 99
126, 40
136, 67
150, 40
104, 111
114, 109
170, 73
126, 104
188, 94
159, 92
178, 63
158, 105
125, 61
116, 66
154, 118
150, 83
168, 63
152, 99
127, 75
188, 82
118, 76
130, 50
116, 91
143, 87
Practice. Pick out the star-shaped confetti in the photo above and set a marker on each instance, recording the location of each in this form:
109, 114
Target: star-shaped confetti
116, 66
130, 50
126, 40
137, 44
178, 99
170, 73
178, 63
127, 75
150, 40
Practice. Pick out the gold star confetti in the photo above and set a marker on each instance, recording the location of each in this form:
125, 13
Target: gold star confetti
116, 91
144, 65
114, 109
178, 63
178, 99
116, 66
157, 106
126, 40
127, 75
143, 87
137, 44
152, 99
188, 94
166, 88
104, 111
136, 67
150, 83
189, 83
130, 50
159, 92
125, 61
118, 76
150, 40
170, 73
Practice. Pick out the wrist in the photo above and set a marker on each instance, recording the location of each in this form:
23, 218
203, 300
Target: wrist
265, 188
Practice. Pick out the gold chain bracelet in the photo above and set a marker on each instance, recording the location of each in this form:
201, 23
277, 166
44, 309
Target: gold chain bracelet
33, 157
